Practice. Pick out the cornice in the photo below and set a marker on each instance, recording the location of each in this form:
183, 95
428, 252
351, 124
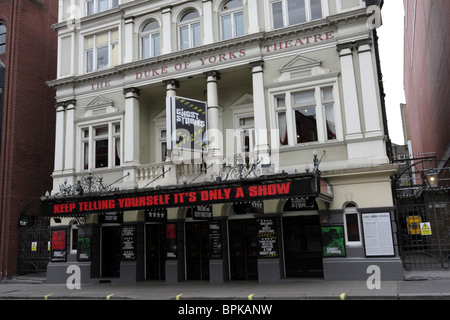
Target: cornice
330, 23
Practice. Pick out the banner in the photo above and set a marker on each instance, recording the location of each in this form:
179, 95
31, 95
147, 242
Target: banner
176, 198
186, 122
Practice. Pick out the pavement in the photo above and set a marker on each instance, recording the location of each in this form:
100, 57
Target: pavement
431, 285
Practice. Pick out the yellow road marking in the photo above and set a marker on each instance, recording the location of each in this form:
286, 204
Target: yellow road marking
342, 296
46, 297
250, 297
178, 296
109, 297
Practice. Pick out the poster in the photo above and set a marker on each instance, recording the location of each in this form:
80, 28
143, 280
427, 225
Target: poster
171, 237
333, 244
215, 240
129, 243
186, 125
84, 249
58, 248
378, 234
202, 212
267, 238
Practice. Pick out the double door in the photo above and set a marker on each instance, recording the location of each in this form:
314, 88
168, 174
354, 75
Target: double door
197, 250
243, 248
155, 250
303, 246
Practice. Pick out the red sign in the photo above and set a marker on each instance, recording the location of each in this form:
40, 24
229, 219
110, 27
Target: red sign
181, 197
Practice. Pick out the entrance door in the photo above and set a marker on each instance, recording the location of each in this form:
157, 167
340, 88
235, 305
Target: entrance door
197, 251
303, 246
155, 251
111, 251
243, 249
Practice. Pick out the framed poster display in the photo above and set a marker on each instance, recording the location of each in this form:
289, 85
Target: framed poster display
129, 243
58, 251
267, 238
378, 239
333, 243
84, 249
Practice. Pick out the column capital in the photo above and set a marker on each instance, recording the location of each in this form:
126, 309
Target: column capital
256, 64
131, 92
171, 82
215, 74
345, 48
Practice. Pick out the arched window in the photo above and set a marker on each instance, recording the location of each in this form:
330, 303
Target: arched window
232, 19
2, 39
189, 28
352, 225
150, 40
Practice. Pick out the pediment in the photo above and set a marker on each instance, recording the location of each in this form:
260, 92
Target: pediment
300, 63
99, 106
100, 101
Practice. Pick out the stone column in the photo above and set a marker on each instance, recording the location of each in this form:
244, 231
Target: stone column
59, 138
131, 141
69, 158
253, 16
131, 126
352, 120
259, 111
369, 90
207, 22
129, 46
171, 91
214, 133
167, 26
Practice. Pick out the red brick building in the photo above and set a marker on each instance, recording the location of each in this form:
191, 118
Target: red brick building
427, 75
28, 47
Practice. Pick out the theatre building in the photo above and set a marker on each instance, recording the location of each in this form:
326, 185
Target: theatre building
220, 141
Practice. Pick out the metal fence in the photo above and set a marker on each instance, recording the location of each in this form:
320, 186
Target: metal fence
422, 190
34, 251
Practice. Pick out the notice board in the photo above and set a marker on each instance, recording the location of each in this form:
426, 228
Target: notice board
378, 239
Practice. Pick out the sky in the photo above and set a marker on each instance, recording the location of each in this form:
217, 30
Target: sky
391, 56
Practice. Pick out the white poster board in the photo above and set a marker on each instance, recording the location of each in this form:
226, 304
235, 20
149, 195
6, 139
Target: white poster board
378, 239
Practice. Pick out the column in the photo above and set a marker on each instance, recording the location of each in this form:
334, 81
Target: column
131, 132
351, 107
253, 24
69, 158
59, 138
167, 26
171, 91
372, 119
129, 26
207, 22
259, 112
214, 133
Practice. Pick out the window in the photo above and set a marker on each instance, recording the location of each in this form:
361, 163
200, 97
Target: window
102, 50
73, 236
232, 19
246, 138
304, 105
281, 119
150, 40
100, 145
2, 39
307, 115
162, 144
352, 225
189, 30
94, 6
290, 12
328, 105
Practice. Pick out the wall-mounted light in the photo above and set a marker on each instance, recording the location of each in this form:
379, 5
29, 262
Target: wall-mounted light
432, 178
